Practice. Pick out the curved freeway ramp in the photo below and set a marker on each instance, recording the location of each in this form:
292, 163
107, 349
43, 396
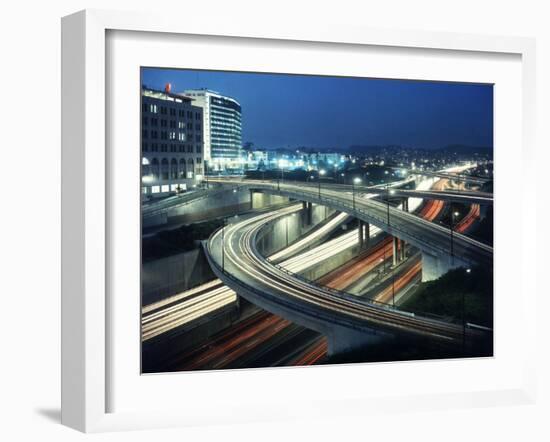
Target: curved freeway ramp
427, 236
348, 322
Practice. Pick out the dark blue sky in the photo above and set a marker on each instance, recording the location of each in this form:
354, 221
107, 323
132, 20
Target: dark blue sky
281, 110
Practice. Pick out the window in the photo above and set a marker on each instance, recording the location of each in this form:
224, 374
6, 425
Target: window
153, 108
181, 125
164, 169
181, 136
154, 134
163, 110
155, 169
154, 121
172, 124
144, 121
183, 168
144, 133
181, 113
190, 126
189, 114
174, 169
163, 123
154, 147
172, 112
198, 148
198, 116
144, 107
172, 135
173, 148
199, 160
144, 147
163, 135
164, 147
182, 148
190, 149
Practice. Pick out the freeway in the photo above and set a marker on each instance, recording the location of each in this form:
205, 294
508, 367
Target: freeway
156, 207
235, 260
183, 308
176, 312
425, 235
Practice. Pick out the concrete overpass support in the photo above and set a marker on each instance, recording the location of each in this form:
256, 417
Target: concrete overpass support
364, 235
307, 216
405, 204
435, 266
395, 250
344, 340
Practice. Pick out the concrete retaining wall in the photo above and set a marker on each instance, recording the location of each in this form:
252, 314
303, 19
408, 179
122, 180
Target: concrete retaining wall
167, 276
273, 237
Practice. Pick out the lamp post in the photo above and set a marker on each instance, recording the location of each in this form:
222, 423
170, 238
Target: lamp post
388, 200
321, 173
343, 175
286, 219
453, 215
355, 181
223, 245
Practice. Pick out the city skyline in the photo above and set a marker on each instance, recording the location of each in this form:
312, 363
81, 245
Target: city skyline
301, 112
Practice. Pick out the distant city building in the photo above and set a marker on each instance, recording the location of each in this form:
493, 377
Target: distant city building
171, 142
255, 159
320, 160
222, 128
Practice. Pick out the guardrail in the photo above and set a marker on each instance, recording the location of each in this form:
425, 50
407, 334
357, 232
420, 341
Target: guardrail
346, 295
183, 200
379, 221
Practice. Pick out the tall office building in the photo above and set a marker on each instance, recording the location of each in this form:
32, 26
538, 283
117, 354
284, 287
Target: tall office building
171, 142
222, 128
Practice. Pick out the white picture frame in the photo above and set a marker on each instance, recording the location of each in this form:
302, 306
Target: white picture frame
85, 206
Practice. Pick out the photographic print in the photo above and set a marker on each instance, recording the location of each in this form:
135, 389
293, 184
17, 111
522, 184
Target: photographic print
296, 220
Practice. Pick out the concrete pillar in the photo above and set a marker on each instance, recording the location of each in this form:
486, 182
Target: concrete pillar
402, 250
309, 212
395, 251
366, 227
251, 199
435, 266
361, 235
405, 204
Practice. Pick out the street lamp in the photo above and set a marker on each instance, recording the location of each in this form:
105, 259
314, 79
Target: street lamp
453, 216
353, 183
223, 245
388, 200
321, 173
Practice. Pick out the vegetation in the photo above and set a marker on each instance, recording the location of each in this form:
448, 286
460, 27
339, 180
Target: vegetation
445, 295
484, 229
182, 239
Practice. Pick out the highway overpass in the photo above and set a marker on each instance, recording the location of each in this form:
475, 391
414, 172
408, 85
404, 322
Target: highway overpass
348, 321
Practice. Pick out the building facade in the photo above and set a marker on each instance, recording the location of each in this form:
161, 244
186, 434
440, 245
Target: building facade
222, 129
171, 142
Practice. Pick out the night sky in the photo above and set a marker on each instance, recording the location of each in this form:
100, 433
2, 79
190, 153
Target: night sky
281, 110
